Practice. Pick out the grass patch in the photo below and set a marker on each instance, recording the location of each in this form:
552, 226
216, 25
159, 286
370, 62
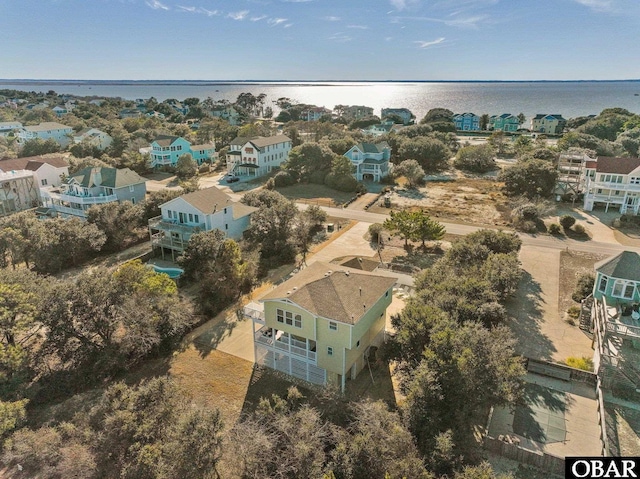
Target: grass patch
584, 363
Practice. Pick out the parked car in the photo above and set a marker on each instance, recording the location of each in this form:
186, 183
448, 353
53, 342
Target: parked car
232, 178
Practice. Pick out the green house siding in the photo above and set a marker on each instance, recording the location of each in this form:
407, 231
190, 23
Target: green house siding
616, 290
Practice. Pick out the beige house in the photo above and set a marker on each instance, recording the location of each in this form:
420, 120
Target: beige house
319, 325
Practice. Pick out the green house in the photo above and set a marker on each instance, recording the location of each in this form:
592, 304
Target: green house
618, 279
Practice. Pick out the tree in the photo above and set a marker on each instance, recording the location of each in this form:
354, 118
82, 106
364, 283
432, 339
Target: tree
309, 158
412, 171
497, 140
503, 272
475, 158
37, 147
271, 230
521, 118
377, 446
341, 176
186, 167
465, 369
119, 222
201, 251
495, 240
534, 178
484, 121
425, 228
436, 115
401, 222
432, 154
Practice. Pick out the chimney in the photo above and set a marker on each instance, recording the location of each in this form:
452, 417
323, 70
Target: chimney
96, 176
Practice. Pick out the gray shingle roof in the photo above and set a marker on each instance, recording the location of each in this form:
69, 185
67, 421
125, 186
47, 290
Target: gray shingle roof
165, 140
32, 163
625, 265
333, 291
49, 125
210, 200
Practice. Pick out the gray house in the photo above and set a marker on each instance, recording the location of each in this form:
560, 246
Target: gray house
94, 186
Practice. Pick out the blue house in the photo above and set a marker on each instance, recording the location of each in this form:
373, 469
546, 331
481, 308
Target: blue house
615, 317
467, 121
165, 151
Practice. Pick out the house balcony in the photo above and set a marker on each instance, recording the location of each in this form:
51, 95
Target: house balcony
286, 343
172, 226
619, 320
63, 198
614, 199
615, 186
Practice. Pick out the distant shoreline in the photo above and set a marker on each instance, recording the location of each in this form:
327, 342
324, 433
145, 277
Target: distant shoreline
25, 81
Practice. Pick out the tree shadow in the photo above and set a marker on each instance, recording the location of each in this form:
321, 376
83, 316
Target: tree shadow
525, 317
411, 193
209, 335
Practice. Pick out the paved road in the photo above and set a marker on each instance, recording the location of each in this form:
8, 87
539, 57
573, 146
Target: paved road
543, 241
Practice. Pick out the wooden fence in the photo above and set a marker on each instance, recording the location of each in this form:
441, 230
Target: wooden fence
542, 461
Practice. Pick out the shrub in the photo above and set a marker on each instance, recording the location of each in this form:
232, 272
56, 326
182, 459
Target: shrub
283, 178
579, 229
317, 177
341, 182
374, 232
361, 189
477, 159
584, 363
567, 221
528, 227
554, 229
584, 287
270, 184
574, 311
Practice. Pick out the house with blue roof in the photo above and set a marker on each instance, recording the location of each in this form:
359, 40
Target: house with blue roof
371, 161
165, 151
504, 122
467, 121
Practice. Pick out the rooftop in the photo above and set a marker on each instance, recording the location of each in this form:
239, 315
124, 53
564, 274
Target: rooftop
49, 125
109, 177
622, 166
334, 292
625, 265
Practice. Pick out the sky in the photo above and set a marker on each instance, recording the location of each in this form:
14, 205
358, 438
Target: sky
320, 39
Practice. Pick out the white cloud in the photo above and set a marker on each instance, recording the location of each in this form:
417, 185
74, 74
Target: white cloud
466, 22
423, 44
297, 1
388, 39
288, 25
241, 15
276, 21
332, 19
209, 13
597, 5
187, 9
358, 27
156, 5
340, 37
404, 4
257, 19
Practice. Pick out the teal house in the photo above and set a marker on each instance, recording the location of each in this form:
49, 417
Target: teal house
618, 279
165, 151
504, 122
615, 322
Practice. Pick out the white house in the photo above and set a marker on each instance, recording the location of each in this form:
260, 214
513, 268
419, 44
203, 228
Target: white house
94, 186
202, 210
257, 156
7, 127
48, 170
612, 181
60, 133
314, 113
371, 161
94, 137
228, 113
404, 113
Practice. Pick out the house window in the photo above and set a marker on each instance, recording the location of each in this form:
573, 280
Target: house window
190, 218
634, 180
358, 344
602, 286
386, 295
297, 321
623, 289
226, 226
248, 151
333, 326
131, 188
196, 218
44, 182
225, 211
280, 315
288, 317
169, 214
329, 350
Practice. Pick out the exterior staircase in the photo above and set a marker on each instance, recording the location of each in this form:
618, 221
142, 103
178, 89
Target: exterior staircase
585, 314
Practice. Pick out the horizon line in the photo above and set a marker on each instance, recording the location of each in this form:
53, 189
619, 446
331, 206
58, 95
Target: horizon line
124, 80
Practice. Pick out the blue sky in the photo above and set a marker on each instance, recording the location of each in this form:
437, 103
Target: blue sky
320, 39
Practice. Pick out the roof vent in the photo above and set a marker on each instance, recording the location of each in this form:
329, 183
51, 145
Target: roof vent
288, 293
295, 288
346, 273
329, 272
